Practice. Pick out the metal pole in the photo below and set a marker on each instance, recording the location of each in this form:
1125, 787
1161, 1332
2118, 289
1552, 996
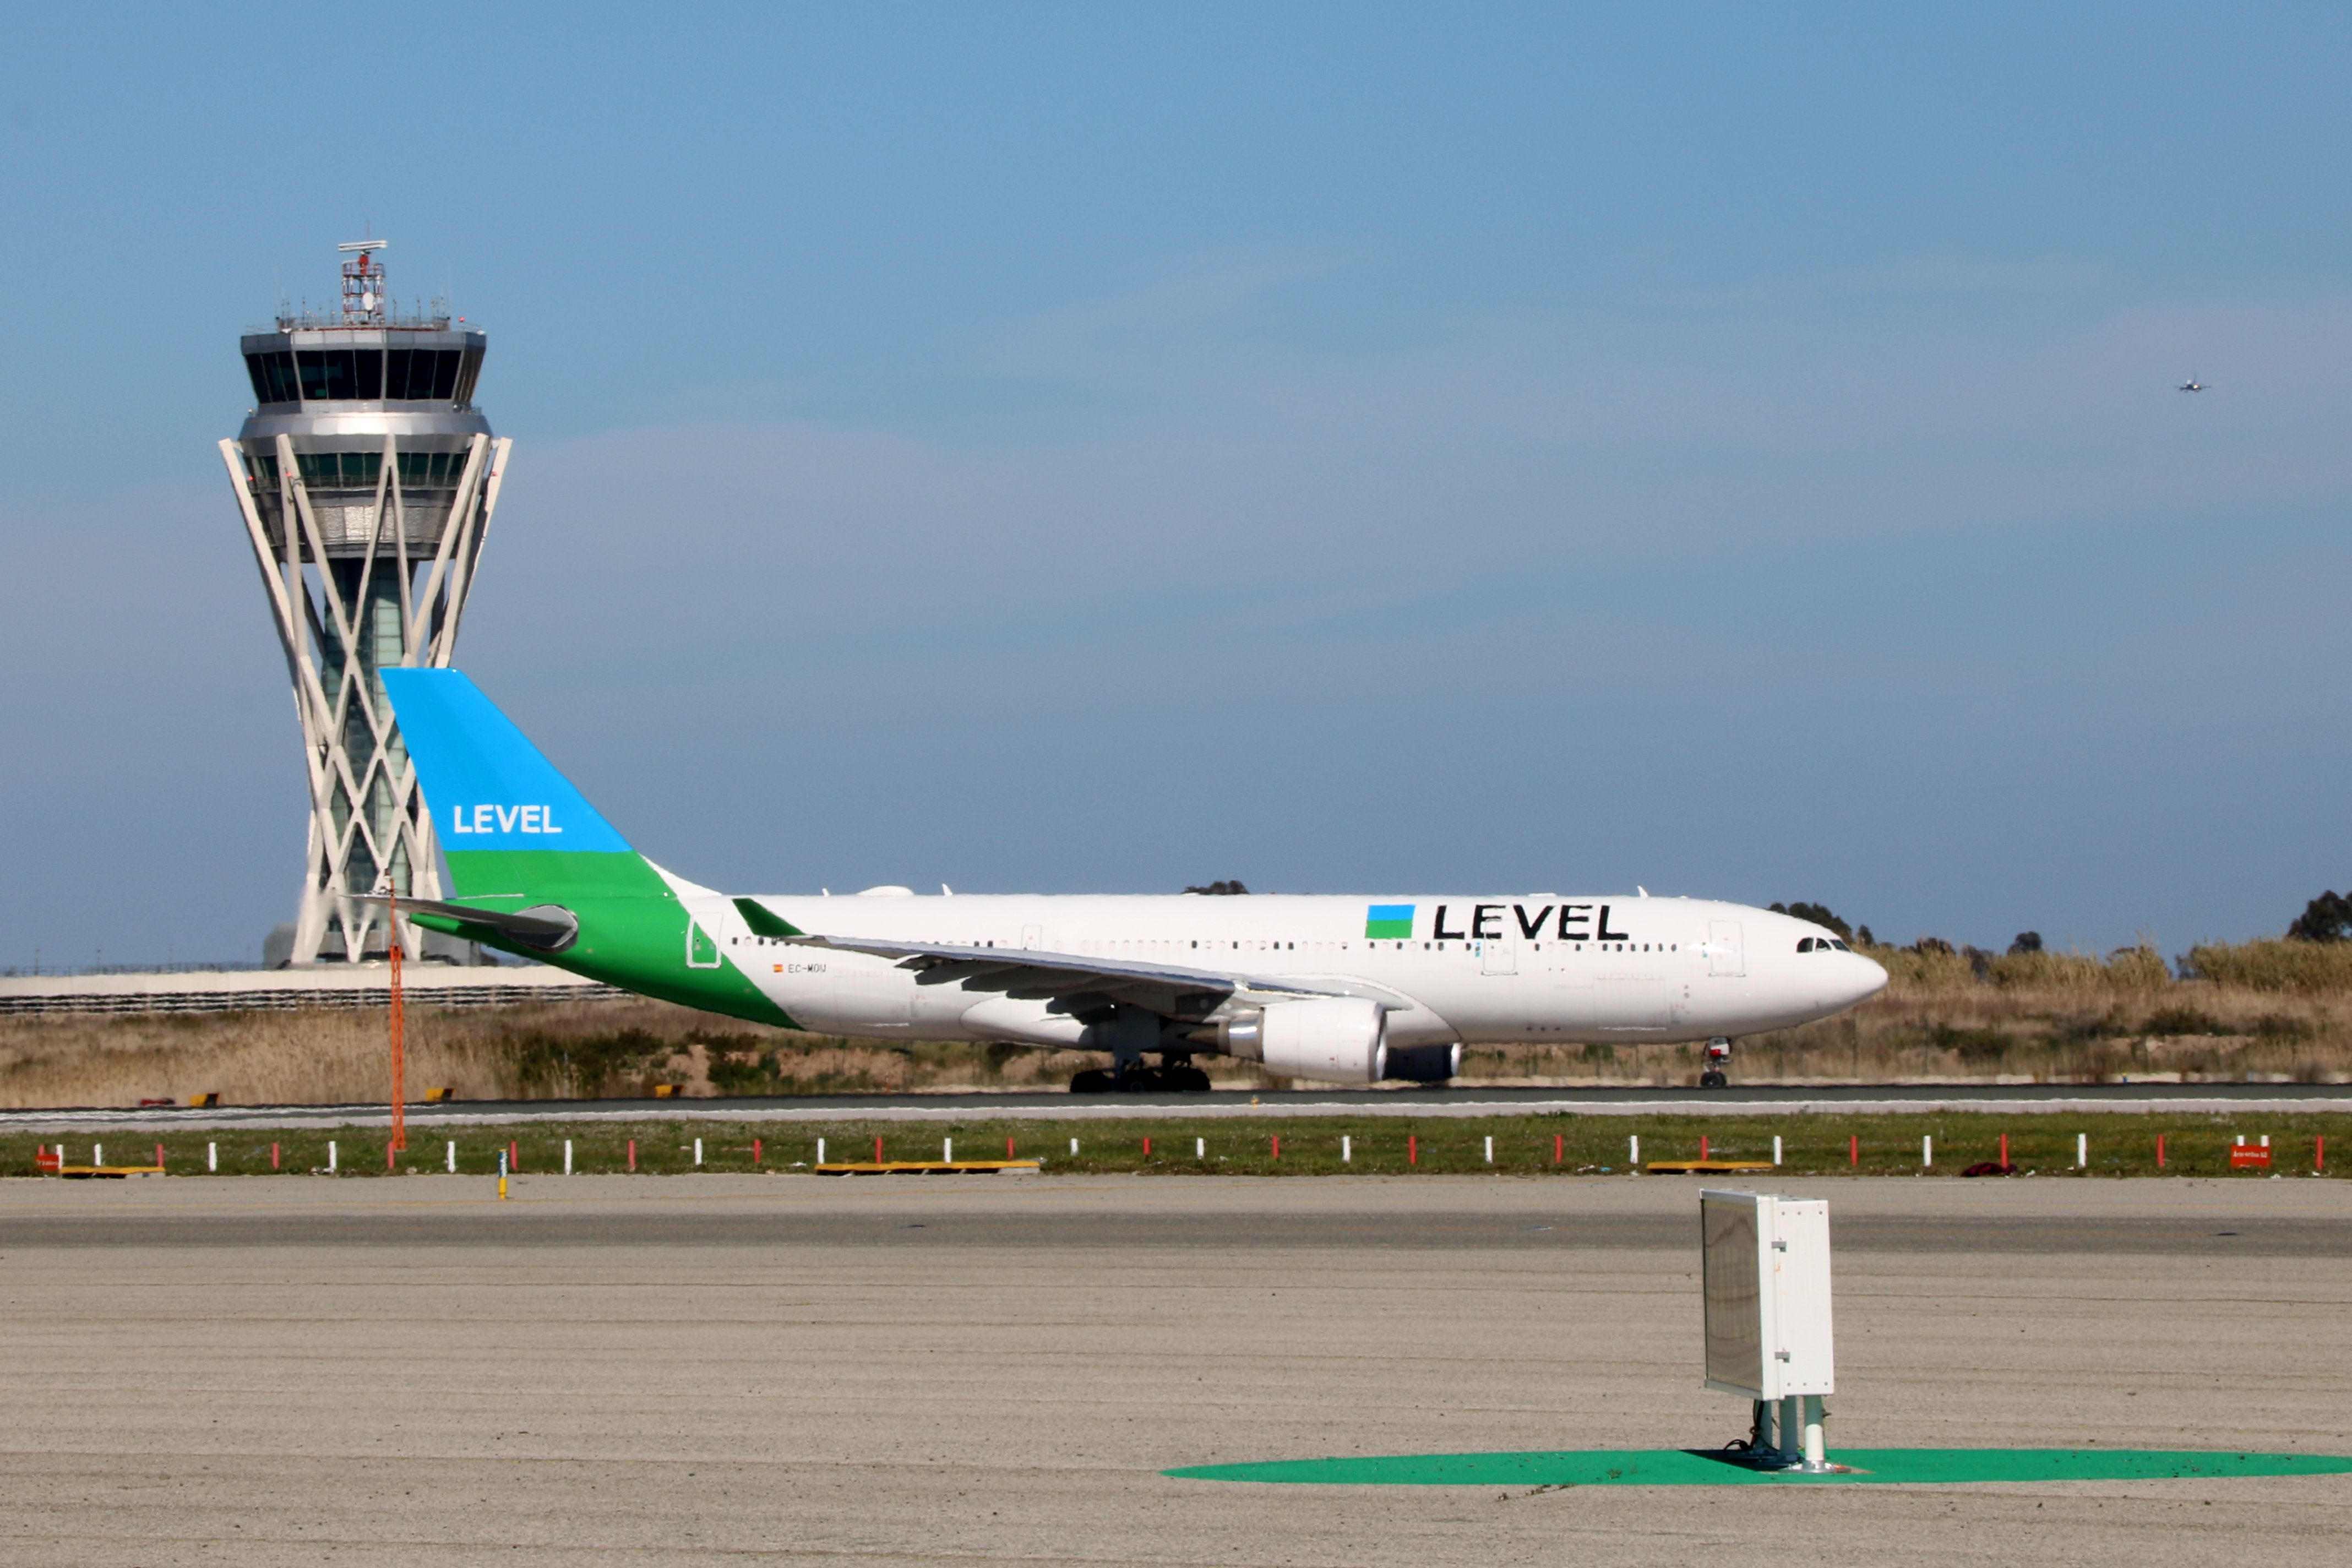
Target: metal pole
399, 1025
1816, 1451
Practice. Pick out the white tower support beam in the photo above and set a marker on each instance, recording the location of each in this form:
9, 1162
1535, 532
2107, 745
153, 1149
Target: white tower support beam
342, 616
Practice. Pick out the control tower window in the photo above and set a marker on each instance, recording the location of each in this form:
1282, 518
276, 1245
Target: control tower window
467, 375
273, 377
431, 470
420, 376
328, 375
368, 385
340, 470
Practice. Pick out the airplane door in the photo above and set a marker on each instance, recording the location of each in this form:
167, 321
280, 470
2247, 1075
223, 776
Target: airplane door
1499, 955
1724, 953
701, 942
1033, 937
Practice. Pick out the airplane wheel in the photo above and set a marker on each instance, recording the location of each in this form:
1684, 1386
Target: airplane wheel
1713, 1080
1091, 1080
1140, 1080
1186, 1080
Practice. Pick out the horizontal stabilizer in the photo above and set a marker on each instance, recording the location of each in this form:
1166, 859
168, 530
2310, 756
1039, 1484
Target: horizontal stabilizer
549, 928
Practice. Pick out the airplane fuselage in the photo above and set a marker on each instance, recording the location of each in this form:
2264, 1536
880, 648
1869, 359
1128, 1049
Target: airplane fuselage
1473, 970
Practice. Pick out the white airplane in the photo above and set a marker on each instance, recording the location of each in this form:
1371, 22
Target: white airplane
1342, 990
2191, 384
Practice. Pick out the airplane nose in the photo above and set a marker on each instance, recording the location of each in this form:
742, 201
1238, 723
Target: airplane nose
1870, 978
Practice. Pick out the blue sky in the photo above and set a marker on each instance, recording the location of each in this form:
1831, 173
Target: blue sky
1347, 448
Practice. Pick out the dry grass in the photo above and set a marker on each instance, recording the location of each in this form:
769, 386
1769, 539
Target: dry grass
2273, 1010
2130, 969
543, 1051
2311, 968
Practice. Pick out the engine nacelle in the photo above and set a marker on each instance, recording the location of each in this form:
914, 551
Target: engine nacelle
1338, 1039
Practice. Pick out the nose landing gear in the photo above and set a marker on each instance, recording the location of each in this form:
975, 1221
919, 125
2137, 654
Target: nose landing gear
1718, 1060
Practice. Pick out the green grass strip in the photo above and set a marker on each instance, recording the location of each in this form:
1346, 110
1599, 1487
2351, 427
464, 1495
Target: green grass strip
1699, 1467
1820, 1143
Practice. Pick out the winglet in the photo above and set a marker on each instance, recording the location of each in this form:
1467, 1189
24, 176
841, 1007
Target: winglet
762, 922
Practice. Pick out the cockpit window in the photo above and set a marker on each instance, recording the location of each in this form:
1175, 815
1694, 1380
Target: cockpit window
1805, 945
1822, 944
1840, 946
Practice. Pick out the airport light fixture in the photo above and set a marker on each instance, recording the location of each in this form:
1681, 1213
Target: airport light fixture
1765, 1267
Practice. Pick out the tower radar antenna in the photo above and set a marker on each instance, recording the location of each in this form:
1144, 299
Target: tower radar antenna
364, 294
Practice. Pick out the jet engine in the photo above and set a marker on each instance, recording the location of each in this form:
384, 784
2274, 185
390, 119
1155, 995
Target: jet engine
1338, 1039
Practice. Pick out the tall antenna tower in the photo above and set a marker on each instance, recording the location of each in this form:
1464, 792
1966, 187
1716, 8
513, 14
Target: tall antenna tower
367, 479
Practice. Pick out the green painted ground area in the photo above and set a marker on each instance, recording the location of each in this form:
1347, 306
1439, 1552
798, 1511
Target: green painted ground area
1693, 1467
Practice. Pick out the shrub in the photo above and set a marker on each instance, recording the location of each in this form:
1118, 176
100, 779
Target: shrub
2327, 918
1926, 967
2272, 964
2057, 971
2141, 968
585, 1064
1977, 1047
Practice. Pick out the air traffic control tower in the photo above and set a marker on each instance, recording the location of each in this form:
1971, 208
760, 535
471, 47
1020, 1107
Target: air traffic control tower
367, 479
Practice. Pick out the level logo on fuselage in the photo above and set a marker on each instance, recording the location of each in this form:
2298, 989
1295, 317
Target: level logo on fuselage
1575, 922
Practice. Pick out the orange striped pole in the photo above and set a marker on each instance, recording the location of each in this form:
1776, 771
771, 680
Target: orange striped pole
398, 1022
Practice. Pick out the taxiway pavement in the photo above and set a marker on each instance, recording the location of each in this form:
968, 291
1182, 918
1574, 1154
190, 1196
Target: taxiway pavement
990, 1370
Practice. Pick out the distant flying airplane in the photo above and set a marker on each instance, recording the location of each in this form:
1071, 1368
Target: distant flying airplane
2191, 384
1341, 990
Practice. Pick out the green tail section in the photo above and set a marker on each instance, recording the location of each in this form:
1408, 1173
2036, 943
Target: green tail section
520, 837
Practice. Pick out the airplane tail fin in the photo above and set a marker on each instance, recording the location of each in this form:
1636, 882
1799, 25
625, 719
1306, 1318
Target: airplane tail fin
507, 820
536, 871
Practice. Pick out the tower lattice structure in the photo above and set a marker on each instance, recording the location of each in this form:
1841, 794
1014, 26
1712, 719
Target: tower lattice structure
367, 480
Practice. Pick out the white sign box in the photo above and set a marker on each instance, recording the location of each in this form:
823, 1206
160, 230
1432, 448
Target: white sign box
1767, 1274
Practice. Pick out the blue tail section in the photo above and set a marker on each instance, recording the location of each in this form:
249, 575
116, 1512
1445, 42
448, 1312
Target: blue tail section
487, 785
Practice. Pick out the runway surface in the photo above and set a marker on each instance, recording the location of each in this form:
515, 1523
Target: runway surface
2027, 1099
994, 1369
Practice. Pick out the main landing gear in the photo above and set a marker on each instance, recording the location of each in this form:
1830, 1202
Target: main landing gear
1175, 1075
1718, 1058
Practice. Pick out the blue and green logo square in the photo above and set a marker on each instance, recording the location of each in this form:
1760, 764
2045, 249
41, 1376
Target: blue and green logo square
1383, 921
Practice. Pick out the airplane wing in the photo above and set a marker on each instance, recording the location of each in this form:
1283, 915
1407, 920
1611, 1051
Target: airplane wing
1027, 975
1174, 991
